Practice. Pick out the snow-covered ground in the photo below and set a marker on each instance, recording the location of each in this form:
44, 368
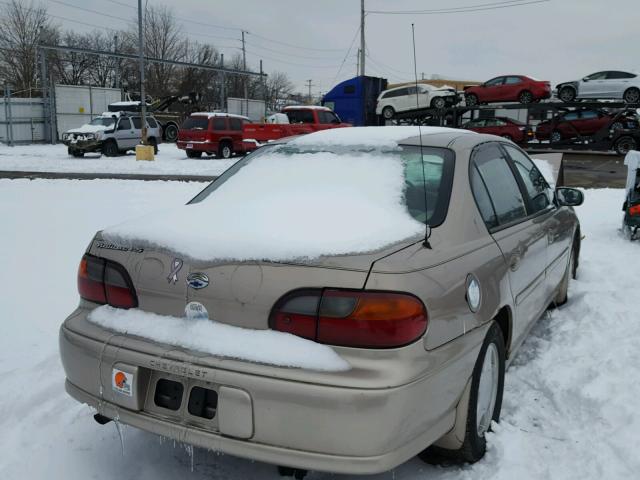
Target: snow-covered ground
571, 396
54, 158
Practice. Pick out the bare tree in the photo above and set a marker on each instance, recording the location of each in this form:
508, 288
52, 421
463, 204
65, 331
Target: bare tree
278, 88
22, 25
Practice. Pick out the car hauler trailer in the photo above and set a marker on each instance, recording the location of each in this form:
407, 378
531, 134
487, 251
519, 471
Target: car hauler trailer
354, 100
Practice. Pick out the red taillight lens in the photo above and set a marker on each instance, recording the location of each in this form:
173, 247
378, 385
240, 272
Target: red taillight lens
103, 281
635, 210
352, 318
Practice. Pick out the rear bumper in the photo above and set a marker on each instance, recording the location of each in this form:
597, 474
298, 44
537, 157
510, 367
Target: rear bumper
274, 420
198, 146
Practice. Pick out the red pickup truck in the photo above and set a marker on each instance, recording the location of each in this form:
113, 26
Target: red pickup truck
225, 134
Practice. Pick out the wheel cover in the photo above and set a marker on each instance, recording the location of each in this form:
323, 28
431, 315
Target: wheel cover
555, 137
171, 133
566, 94
633, 96
487, 389
226, 152
387, 112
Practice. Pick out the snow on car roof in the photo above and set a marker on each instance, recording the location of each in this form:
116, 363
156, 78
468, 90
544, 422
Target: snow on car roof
221, 114
126, 104
377, 137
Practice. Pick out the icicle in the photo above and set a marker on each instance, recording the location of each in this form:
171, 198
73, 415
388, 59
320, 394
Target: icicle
120, 430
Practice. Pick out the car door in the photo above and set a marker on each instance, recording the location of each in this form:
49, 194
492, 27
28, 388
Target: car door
590, 122
569, 125
555, 221
593, 86
511, 88
125, 134
492, 91
520, 236
408, 101
137, 130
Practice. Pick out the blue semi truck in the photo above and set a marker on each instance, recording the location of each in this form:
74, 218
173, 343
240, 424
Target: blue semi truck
354, 100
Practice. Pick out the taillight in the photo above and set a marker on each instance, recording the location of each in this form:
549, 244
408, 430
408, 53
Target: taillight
351, 318
106, 282
635, 210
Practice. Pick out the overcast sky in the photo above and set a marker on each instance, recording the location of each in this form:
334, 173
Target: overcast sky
557, 40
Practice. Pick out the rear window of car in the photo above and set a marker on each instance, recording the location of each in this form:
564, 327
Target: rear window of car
196, 123
300, 116
152, 122
430, 166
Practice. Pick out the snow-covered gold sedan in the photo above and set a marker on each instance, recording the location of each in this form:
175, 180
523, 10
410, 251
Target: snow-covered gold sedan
340, 302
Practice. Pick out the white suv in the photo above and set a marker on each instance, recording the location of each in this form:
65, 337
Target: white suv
111, 133
403, 99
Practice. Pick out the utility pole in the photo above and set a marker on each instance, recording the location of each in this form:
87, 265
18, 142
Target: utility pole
264, 90
358, 63
143, 98
309, 85
362, 45
223, 86
116, 75
244, 67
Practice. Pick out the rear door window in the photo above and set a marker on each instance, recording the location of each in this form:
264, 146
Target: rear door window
501, 185
219, 123
137, 123
512, 80
196, 123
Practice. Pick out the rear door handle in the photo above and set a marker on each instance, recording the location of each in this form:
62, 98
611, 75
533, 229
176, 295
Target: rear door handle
514, 260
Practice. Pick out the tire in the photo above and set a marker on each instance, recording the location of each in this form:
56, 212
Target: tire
438, 103
388, 113
471, 100
624, 144
525, 97
617, 126
475, 444
631, 95
555, 136
193, 154
154, 142
567, 94
225, 150
75, 153
563, 294
110, 148
170, 133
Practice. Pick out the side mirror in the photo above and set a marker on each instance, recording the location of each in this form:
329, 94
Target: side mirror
585, 79
569, 197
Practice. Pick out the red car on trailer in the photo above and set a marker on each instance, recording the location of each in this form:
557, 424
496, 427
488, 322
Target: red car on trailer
507, 88
502, 126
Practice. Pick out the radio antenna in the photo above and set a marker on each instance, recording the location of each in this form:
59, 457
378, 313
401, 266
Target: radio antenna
427, 232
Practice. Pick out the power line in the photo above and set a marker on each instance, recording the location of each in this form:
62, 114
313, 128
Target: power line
92, 11
347, 55
451, 10
280, 52
296, 46
288, 63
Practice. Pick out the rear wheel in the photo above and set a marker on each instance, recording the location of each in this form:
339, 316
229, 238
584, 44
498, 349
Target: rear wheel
525, 97
388, 113
567, 94
194, 154
631, 95
471, 100
438, 103
485, 402
171, 132
110, 148
225, 150
625, 144
563, 293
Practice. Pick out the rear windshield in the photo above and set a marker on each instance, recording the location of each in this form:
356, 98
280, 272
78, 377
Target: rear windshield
195, 123
407, 165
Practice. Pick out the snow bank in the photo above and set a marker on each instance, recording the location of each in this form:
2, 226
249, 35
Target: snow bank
206, 336
285, 207
378, 137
